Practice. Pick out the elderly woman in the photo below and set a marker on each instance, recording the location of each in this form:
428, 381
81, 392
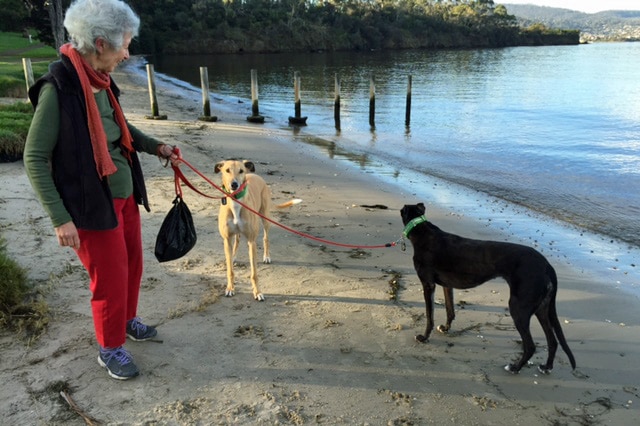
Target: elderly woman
81, 159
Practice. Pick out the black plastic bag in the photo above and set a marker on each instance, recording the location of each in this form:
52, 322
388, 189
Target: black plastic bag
177, 234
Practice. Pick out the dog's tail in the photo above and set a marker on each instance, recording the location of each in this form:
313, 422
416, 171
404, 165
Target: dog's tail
289, 203
555, 322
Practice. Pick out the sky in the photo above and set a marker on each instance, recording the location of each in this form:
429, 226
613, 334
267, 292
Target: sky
588, 6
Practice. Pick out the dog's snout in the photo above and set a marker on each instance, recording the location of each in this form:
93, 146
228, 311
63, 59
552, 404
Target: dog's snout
234, 185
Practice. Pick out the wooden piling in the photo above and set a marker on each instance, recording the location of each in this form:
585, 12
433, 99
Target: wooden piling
255, 116
206, 101
28, 73
297, 119
152, 95
336, 102
407, 114
372, 102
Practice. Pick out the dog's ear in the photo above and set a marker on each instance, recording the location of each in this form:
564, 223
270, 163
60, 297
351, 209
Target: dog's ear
249, 165
421, 207
218, 166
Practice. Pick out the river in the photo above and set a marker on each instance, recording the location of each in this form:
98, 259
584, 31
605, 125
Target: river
554, 130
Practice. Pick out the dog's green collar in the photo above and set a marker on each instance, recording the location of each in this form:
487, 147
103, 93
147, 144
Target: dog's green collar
241, 192
412, 224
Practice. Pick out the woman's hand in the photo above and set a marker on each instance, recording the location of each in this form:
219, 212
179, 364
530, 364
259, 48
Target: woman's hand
169, 152
68, 235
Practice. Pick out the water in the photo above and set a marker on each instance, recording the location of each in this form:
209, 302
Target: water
555, 130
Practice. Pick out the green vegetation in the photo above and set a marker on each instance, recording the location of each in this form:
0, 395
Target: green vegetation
14, 47
12, 80
13, 44
14, 281
225, 26
221, 26
15, 120
20, 311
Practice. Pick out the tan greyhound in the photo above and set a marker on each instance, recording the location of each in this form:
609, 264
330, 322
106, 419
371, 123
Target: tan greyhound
242, 184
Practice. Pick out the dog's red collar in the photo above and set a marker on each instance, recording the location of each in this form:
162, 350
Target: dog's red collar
412, 224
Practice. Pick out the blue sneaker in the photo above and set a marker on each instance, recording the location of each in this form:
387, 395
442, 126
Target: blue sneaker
118, 362
139, 332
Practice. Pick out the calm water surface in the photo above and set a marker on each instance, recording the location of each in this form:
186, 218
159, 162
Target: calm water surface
553, 129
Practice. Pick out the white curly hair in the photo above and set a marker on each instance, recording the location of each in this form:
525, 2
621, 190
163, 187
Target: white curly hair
111, 20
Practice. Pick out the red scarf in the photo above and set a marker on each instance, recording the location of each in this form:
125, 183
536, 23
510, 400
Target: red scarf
91, 78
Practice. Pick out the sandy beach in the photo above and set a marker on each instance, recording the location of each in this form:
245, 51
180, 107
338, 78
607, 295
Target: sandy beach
330, 345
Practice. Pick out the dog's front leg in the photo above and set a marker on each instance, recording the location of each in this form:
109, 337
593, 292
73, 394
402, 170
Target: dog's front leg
428, 290
236, 243
448, 303
228, 254
253, 253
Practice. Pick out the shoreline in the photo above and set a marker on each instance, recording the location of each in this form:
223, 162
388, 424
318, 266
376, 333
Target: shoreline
329, 345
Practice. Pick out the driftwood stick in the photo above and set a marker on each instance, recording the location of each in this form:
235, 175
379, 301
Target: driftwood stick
87, 418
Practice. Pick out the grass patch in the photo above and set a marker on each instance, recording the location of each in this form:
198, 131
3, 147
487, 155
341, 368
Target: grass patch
14, 47
12, 81
14, 44
20, 310
15, 120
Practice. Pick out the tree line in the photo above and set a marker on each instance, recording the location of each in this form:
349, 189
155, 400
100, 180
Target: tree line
233, 26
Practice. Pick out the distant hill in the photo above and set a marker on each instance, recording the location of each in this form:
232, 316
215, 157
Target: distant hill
610, 25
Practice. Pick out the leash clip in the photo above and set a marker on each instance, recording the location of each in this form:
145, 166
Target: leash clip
403, 245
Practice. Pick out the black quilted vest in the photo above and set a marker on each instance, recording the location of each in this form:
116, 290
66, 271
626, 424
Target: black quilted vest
85, 195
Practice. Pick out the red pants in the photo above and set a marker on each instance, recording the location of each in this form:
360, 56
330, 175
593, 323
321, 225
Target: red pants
113, 260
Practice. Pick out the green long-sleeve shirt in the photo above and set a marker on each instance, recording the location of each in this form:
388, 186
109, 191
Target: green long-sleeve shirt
42, 139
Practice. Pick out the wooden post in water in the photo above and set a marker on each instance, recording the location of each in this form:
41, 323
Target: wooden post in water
372, 102
28, 73
206, 102
336, 102
407, 114
152, 96
255, 117
297, 119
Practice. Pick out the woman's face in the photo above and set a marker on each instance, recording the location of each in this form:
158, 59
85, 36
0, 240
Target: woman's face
107, 58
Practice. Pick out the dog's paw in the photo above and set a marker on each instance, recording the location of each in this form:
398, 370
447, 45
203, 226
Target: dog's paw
544, 369
259, 297
422, 339
443, 329
266, 260
511, 369
229, 293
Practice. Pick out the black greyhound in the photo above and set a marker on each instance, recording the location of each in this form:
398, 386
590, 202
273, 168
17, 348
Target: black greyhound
456, 262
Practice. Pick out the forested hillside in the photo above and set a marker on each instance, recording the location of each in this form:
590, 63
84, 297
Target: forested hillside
307, 25
611, 25
231, 26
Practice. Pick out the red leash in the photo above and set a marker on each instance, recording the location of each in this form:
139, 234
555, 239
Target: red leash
180, 176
